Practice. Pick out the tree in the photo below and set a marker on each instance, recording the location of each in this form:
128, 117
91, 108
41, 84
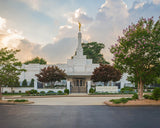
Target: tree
138, 52
105, 73
10, 68
31, 83
36, 60
92, 51
51, 74
24, 83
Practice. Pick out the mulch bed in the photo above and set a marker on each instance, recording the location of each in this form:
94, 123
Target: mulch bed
144, 102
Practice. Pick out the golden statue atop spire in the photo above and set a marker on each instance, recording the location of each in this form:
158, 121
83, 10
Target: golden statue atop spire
79, 26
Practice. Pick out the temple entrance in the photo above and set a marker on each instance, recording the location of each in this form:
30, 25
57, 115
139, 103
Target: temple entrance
78, 85
79, 82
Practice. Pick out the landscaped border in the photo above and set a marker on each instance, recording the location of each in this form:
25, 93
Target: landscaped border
134, 103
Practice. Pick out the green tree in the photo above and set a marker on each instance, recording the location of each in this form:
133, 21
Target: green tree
93, 51
138, 52
31, 83
24, 83
105, 73
36, 60
10, 68
51, 74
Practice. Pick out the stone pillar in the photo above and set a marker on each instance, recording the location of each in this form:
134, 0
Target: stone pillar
35, 84
89, 86
68, 86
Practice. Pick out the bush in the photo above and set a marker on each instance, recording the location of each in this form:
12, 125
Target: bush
156, 93
24, 83
33, 91
135, 96
66, 91
91, 90
147, 96
20, 91
51, 92
21, 100
5, 92
31, 83
42, 92
121, 100
59, 92
127, 90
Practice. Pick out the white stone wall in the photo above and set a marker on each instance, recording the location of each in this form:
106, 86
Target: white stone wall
110, 89
24, 89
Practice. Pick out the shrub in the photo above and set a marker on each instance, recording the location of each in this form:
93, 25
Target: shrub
5, 92
27, 92
33, 91
21, 100
156, 93
31, 83
42, 92
24, 83
59, 92
135, 96
121, 100
50, 91
127, 90
91, 90
147, 96
66, 91
20, 91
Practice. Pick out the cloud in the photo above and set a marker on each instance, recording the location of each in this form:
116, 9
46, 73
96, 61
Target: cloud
156, 1
111, 18
79, 15
34, 4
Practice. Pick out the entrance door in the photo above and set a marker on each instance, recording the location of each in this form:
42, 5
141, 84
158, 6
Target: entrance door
79, 86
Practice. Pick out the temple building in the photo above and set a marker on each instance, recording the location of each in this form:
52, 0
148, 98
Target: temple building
78, 69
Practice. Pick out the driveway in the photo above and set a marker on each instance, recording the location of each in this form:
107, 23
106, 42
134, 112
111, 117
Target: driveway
98, 116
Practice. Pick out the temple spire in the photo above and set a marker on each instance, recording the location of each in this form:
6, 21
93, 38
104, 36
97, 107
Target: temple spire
79, 50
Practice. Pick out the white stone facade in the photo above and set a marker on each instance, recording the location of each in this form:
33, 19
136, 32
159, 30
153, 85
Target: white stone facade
78, 69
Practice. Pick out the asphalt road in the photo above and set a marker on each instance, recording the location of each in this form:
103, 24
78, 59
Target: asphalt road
29, 116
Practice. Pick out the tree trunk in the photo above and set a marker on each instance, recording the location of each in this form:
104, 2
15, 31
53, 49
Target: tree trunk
0, 92
140, 96
138, 90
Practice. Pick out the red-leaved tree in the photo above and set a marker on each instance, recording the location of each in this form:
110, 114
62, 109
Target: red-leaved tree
51, 74
105, 73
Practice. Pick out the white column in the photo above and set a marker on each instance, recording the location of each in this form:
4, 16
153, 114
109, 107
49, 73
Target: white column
68, 86
35, 84
89, 86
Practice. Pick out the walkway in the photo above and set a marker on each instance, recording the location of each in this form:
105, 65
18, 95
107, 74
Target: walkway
70, 100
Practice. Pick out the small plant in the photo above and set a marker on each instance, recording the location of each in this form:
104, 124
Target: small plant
147, 96
10, 100
24, 83
21, 100
59, 92
91, 90
121, 100
135, 96
20, 91
66, 91
156, 93
5, 92
33, 91
42, 92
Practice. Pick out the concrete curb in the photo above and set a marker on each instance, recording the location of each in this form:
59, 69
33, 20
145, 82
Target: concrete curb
129, 105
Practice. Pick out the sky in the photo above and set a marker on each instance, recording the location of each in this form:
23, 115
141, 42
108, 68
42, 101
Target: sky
48, 28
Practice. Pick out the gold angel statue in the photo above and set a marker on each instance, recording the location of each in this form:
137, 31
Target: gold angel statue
79, 26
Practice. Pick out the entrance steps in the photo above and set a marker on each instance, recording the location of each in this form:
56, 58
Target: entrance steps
78, 94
